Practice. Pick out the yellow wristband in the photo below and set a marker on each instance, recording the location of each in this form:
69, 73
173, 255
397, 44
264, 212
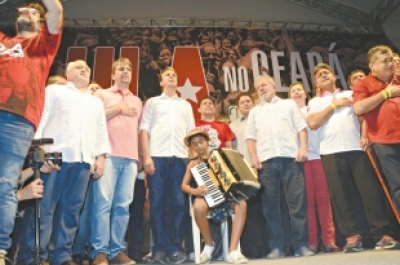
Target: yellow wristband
384, 94
388, 93
333, 106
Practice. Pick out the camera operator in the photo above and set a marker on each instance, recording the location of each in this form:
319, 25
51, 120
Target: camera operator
77, 123
33, 190
25, 61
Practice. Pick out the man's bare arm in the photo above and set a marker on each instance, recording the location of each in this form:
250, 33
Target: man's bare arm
54, 16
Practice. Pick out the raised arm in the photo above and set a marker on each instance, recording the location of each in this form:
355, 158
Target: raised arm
54, 16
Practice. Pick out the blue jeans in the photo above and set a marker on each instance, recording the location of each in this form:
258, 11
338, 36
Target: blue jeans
82, 237
288, 173
165, 193
64, 190
112, 195
15, 139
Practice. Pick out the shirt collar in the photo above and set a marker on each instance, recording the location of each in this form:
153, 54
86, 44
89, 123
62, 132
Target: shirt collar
115, 90
274, 100
72, 86
327, 93
163, 95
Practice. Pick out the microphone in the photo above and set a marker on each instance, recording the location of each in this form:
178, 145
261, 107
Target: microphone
42, 141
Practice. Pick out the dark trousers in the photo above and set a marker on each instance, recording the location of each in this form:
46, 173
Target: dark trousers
389, 160
166, 197
135, 226
353, 169
288, 173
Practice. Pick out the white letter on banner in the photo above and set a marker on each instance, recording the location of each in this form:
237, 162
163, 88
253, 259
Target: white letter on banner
230, 79
243, 79
255, 63
298, 71
313, 59
277, 70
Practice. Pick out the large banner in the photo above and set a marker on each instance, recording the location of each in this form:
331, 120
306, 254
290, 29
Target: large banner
219, 62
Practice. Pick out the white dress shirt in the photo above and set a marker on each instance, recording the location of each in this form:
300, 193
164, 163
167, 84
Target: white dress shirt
77, 123
341, 132
275, 126
238, 127
168, 121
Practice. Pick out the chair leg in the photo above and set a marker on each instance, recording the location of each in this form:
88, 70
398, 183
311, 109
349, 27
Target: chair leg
225, 238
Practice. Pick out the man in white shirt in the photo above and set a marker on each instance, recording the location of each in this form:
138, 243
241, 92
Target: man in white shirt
166, 120
77, 123
245, 103
345, 163
276, 138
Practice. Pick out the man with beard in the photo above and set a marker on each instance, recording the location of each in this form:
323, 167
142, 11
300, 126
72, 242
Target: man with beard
113, 193
76, 121
25, 61
348, 171
276, 138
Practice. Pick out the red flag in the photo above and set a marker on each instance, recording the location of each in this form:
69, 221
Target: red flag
191, 78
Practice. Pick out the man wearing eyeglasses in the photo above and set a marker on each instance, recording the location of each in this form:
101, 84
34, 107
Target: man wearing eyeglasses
25, 61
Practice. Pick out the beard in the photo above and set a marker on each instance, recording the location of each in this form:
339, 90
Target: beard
25, 25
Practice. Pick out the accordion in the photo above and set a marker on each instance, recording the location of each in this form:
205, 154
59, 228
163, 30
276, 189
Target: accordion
226, 175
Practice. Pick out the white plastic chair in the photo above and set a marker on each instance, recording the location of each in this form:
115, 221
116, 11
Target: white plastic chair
196, 235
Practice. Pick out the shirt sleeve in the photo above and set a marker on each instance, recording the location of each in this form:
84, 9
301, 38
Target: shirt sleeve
230, 136
102, 144
145, 123
251, 131
313, 106
298, 120
190, 118
360, 91
48, 102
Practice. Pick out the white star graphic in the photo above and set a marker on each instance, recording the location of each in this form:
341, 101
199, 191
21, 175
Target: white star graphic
188, 91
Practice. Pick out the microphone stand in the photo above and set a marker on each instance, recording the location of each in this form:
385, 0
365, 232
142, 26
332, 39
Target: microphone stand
38, 160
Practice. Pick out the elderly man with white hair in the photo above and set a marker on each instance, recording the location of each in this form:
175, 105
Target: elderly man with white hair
276, 138
76, 121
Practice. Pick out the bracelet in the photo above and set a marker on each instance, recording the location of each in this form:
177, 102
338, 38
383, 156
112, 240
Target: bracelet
333, 106
388, 93
384, 94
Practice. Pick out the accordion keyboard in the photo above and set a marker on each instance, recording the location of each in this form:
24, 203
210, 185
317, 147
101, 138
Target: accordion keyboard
203, 176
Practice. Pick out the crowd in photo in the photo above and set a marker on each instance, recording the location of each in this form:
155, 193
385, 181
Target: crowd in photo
318, 171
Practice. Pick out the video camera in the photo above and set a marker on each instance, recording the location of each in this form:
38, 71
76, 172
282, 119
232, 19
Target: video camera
37, 156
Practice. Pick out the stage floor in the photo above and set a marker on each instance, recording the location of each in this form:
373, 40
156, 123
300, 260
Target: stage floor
368, 257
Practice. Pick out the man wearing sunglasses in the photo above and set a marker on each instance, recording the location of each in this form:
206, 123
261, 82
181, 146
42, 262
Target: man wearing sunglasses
25, 61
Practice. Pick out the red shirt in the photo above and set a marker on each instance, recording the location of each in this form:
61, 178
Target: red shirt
383, 121
24, 67
219, 132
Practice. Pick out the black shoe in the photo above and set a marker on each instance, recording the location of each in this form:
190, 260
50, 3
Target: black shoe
138, 258
69, 262
78, 259
178, 257
159, 258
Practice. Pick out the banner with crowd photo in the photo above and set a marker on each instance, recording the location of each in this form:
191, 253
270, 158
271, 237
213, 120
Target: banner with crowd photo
220, 62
